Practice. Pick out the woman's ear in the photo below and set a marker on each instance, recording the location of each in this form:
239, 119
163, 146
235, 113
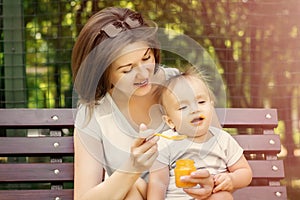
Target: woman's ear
168, 121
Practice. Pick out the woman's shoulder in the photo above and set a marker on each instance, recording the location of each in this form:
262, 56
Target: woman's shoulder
101, 107
85, 121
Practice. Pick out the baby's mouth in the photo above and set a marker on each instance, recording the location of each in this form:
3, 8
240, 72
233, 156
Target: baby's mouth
198, 119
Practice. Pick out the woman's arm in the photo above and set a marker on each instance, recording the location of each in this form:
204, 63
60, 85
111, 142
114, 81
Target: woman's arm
158, 181
239, 176
89, 172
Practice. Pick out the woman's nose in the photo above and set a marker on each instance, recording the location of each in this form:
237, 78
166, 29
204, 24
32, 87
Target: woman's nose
142, 71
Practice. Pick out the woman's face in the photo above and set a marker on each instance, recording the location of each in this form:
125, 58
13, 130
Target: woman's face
131, 73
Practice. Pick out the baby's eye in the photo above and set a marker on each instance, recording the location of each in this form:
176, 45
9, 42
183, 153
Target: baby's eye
182, 107
201, 102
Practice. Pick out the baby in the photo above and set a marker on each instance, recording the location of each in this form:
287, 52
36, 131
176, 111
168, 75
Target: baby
188, 104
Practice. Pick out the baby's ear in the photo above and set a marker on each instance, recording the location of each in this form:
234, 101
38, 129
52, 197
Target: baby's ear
212, 103
168, 121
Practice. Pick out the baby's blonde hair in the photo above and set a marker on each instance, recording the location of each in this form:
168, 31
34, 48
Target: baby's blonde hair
190, 71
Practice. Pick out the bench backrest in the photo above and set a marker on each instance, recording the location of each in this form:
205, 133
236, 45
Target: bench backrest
43, 156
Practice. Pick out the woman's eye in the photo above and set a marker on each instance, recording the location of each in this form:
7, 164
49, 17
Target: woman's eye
127, 70
146, 58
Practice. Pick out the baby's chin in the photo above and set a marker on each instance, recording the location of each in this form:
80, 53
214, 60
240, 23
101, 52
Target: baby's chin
191, 136
196, 135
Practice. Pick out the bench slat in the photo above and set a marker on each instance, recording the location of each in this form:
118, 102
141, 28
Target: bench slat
267, 168
247, 117
261, 193
229, 117
42, 145
45, 171
39, 118
65, 194
269, 143
36, 172
35, 146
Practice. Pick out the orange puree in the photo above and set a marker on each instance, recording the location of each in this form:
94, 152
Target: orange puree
184, 167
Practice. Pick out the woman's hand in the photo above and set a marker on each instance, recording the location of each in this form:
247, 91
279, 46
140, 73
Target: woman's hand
204, 179
144, 151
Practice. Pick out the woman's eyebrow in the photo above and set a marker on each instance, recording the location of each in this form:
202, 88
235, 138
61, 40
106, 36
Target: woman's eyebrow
147, 51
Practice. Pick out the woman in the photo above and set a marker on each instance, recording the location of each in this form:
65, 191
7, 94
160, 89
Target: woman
116, 75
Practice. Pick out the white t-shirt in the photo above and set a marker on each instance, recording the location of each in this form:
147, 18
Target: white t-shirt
107, 134
215, 155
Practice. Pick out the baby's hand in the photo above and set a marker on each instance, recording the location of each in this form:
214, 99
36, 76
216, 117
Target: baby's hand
223, 182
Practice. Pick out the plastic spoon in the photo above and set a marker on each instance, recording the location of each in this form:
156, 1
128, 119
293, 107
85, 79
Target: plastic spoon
174, 137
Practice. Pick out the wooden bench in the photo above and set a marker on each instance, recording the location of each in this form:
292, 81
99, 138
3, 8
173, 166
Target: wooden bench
45, 159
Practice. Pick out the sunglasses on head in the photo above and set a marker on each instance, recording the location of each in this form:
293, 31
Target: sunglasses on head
134, 20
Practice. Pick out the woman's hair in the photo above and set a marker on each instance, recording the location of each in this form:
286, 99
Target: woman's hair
99, 43
190, 71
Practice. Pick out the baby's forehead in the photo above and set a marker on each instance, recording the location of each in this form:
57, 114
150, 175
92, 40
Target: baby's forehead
185, 87
183, 83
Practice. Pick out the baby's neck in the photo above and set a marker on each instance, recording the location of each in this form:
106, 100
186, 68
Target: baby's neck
202, 138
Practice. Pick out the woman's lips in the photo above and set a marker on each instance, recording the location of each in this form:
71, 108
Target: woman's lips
142, 84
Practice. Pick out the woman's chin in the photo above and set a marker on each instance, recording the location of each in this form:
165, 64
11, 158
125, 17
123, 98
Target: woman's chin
142, 91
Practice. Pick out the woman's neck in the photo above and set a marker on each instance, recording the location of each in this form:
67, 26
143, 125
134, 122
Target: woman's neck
140, 109
145, 110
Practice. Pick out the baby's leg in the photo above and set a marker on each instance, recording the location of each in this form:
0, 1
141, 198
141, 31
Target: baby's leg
138, 191
222, 195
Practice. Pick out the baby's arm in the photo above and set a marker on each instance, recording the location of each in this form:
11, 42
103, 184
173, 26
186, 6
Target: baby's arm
158, 181
239, 175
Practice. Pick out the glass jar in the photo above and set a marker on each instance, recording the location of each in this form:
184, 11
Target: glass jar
184, 167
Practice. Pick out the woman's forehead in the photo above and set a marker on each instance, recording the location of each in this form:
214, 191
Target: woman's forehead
133, 47
130, 53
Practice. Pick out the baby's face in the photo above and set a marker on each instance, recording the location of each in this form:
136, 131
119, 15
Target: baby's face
189, 107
